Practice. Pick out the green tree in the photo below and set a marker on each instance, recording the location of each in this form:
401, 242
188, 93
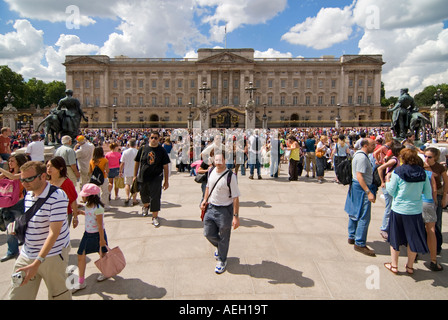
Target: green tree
11, 81
426, 97
35, 92
55, 91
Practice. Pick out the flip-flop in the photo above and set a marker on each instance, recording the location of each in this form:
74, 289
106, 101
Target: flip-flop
391, 267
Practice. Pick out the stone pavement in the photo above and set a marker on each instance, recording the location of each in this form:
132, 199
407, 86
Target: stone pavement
292, 244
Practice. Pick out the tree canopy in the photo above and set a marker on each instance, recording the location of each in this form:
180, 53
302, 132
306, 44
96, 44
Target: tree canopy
33, 92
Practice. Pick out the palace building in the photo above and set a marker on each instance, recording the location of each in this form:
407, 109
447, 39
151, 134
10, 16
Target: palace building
171, 92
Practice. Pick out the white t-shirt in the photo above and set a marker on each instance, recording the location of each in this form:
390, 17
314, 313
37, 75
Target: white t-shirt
36, 149
221, 193
128, 158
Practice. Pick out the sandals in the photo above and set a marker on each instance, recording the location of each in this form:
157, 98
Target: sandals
391, 268
409, 270
434, 266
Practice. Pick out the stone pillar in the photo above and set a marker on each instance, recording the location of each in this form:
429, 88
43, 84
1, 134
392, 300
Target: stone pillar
10, 117
204, 115
38, 117
438, 115
250, 115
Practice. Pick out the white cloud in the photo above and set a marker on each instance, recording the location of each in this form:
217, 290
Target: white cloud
23, 42
150, 28
271, 53
408, 33
412, 39
63, 10
330, 26
25, 53
236, 13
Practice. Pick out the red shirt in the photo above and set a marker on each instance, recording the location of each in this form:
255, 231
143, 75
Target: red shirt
5, 144
71, 193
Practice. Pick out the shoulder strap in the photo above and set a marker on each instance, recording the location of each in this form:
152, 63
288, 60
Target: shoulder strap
39, 202
209, 194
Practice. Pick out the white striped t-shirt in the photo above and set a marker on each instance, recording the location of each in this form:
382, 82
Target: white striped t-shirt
53, 210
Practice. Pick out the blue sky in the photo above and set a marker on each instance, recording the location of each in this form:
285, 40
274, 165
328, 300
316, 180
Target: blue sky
411, 35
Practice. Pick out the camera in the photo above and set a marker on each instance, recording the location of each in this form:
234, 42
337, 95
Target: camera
17, 278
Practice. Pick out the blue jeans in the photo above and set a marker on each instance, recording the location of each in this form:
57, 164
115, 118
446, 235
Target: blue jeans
217, 228
253, 166
357, 230
388, 199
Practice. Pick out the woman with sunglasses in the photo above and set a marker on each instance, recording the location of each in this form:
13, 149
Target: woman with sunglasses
57, 175
433, 215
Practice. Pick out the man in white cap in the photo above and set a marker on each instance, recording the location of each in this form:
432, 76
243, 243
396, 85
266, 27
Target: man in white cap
84, 152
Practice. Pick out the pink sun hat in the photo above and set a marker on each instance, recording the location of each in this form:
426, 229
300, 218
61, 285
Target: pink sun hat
89, 189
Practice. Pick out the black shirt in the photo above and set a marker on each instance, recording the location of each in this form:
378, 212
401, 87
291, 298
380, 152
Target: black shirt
152, 160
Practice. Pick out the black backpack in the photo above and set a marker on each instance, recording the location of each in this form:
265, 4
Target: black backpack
97, 176
344, 172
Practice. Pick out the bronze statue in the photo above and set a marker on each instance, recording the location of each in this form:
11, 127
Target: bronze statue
65, 119
402, 114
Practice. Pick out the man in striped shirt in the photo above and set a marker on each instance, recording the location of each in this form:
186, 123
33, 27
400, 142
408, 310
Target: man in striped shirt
44, 254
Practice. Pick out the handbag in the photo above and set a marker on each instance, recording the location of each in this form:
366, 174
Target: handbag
134, 187
206, 202
112, 262
119, 182
200, 177
320, 154
9, 192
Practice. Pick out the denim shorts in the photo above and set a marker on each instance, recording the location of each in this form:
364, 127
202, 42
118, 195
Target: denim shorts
429, 212
114, 172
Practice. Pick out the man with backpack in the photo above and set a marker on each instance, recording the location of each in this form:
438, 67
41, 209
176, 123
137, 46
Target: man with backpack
221, 201
361, 195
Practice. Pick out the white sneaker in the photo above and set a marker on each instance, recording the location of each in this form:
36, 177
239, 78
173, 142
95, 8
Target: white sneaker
101, 277
216, 255
155, 222
78, 286
145, 211
220, 267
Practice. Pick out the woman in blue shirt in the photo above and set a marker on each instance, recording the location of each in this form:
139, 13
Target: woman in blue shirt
406, 184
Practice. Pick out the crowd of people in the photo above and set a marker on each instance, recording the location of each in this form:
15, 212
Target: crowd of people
90, 171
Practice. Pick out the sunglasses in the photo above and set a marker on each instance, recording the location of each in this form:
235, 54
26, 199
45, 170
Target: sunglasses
429, 157
154, 138
30, 179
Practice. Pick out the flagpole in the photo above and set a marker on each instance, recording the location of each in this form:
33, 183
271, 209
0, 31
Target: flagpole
225, 36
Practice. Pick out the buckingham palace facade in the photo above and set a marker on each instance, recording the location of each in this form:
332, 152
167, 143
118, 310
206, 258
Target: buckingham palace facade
169, 92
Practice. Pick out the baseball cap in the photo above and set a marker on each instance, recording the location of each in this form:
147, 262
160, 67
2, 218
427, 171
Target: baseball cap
89, 189
80, 138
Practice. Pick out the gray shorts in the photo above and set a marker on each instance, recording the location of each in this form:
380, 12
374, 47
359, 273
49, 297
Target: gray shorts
429, 212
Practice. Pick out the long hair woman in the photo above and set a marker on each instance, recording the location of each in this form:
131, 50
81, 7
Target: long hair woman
57, 175
98, 159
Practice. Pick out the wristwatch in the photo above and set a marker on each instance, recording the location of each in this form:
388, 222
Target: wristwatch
236, 215
40, 259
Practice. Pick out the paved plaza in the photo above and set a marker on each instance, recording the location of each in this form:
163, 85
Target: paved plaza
292, 244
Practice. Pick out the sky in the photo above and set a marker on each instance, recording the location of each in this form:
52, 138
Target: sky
412, 35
